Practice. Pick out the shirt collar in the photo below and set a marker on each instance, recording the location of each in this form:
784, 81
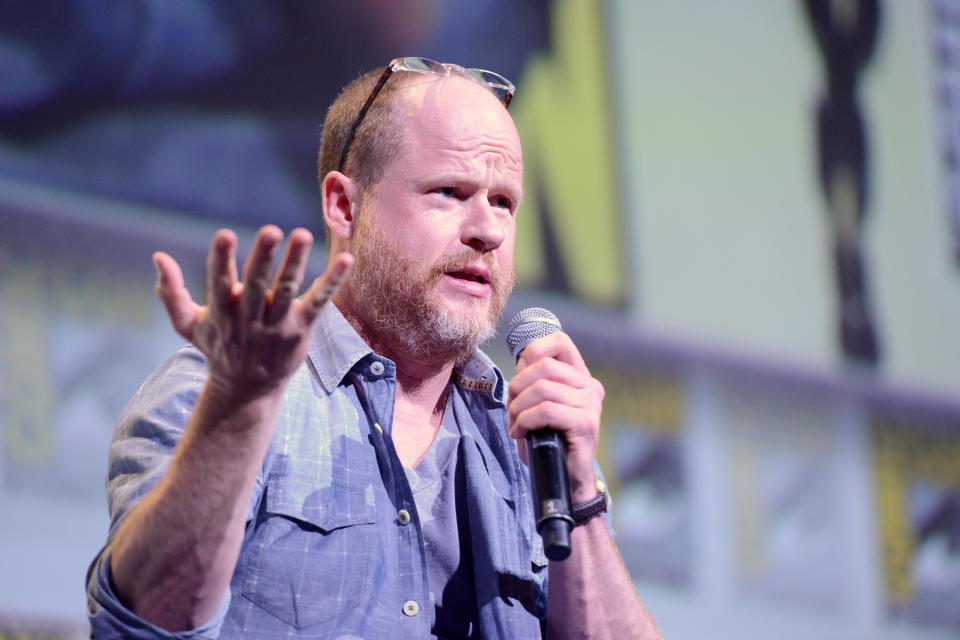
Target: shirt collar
337, 347
480, 374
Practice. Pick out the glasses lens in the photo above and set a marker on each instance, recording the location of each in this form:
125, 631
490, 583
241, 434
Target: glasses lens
500, 86
414, 63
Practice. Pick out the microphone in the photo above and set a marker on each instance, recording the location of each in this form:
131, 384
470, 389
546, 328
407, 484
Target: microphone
548, 464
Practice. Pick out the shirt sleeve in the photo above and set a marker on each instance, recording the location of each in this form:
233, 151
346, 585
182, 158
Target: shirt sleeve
143, 442
109, 619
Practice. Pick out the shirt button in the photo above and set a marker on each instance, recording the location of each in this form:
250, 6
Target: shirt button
376, 368
403, 516
411, 608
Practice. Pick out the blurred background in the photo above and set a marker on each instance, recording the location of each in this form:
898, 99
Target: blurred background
746, 213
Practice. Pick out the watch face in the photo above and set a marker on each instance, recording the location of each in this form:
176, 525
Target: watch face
602, 489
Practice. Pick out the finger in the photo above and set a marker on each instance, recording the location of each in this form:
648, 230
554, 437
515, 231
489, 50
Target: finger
257, 270
580, 429
549, 369
289, 275
326, 286
222, 270
550, 391
181, 308
571, 421
556, 345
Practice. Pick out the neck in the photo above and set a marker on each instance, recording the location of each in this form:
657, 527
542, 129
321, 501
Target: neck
422, 378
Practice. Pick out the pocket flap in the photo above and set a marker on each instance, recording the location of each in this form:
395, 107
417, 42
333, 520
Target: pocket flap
327, 508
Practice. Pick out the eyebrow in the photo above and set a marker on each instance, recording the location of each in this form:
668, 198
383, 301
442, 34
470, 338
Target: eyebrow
454, 178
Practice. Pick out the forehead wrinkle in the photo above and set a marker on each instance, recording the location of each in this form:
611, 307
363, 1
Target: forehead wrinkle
494, 156
503, 149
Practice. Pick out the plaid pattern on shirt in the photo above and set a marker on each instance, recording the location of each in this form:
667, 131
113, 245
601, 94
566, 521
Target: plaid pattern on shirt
324, 554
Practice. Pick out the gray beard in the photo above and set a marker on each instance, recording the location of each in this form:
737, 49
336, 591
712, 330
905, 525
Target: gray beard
393, 295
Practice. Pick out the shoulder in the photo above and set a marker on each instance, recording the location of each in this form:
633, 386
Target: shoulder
166, 394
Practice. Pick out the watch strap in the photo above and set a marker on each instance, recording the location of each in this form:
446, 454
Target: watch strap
596, 505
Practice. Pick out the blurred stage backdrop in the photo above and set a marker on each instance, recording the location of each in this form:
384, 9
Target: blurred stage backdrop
747, 213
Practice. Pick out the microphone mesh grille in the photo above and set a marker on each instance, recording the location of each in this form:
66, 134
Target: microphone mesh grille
529, 325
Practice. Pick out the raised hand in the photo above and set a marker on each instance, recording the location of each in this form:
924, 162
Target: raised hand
254, 332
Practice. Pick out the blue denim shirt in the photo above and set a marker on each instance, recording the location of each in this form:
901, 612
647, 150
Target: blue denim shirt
324, 554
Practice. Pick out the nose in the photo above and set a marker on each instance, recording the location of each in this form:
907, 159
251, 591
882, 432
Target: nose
483, 228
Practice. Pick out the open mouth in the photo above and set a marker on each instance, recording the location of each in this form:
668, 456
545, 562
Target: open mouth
470, 275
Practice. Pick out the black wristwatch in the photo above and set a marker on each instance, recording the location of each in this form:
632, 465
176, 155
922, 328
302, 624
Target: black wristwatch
592, 507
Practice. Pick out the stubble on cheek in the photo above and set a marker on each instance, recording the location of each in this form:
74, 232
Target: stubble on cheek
396, 293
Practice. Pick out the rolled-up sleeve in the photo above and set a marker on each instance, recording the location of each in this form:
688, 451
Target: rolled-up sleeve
143, 442
109, 619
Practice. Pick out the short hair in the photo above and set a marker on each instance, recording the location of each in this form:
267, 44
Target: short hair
378, 139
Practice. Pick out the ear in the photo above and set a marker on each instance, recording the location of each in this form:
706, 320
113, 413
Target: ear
341, 202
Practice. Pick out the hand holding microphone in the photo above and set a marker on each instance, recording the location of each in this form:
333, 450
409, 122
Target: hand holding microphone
556, 404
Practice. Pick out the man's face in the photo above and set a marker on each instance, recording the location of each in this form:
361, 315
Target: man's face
434, 242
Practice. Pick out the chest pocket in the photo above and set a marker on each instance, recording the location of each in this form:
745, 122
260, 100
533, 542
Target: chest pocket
505, 543
310, 554
516, 515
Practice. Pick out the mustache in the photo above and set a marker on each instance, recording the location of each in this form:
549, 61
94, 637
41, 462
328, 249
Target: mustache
466, 258
502, 281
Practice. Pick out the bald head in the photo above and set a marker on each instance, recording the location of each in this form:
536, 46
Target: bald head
381, 133
458, 111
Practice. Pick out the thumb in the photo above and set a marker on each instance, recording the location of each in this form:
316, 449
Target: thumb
181, 308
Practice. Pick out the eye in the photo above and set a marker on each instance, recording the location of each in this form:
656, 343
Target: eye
502, 202
449, 192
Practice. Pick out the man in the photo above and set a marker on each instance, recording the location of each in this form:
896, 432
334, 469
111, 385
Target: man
343, 469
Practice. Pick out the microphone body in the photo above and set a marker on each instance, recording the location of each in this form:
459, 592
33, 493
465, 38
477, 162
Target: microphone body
548, 463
